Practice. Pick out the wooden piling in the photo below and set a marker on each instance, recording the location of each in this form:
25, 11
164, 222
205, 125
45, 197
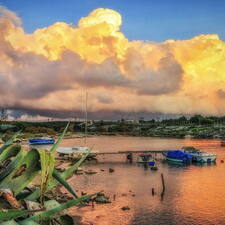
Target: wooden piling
163, 186
163, 183
153, 191
130, 157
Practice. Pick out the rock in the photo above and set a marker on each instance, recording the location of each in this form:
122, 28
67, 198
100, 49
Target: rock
100, 194
222, 161
101, 199
154, 168
79, 172
125, 208
90, 172
111, 170
102, 170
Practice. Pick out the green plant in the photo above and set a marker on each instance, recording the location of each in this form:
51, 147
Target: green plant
19, 173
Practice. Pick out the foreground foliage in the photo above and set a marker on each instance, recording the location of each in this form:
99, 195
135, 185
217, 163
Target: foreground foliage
23, 203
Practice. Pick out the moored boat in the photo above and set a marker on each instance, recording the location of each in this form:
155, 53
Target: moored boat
198, 156
144, 158
204, 157
76, 151
178, 156
41, 141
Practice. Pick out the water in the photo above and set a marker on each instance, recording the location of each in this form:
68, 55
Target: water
194, 194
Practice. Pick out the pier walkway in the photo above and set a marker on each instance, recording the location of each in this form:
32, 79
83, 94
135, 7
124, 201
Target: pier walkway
129, 154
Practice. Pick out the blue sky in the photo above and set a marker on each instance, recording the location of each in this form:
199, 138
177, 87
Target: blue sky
155, 20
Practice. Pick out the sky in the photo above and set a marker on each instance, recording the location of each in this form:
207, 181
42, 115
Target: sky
134, 58
142, 20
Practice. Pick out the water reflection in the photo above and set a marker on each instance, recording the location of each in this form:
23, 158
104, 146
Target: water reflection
194, 194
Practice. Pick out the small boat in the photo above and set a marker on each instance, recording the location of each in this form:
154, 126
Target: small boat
198, 156
144, 158
204, 157
222, 143
178, 156
41, 141
76, 151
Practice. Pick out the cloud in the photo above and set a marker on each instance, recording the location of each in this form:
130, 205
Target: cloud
221, 93
8, 15
50, 70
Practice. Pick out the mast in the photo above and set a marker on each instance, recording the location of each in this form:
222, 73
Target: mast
85, 132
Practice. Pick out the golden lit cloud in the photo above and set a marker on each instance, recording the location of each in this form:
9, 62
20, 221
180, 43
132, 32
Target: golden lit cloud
51, 68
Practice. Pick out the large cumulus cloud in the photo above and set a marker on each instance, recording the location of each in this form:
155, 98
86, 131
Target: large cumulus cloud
52, 68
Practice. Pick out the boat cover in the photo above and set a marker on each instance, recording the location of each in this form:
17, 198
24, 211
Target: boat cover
177, 154
36, 141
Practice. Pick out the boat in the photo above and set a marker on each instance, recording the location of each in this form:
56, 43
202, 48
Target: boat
222, 143
41, 141
198, 156
204, 157
76, 152
144, 158
178, 156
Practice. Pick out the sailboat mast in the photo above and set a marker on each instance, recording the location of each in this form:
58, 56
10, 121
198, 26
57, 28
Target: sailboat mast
85, 135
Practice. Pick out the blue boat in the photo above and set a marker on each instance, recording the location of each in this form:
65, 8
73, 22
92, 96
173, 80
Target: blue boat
41, 141
178, 156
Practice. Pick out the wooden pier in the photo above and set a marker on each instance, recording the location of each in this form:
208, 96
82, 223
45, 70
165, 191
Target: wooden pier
129, 154
135, 152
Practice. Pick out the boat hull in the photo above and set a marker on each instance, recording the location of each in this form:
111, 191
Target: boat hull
204, 159
41, 141
175, 160
178, 156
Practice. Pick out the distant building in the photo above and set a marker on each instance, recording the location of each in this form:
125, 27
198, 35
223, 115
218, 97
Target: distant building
131, 121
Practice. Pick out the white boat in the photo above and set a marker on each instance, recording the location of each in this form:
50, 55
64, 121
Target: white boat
76, 151
202, 157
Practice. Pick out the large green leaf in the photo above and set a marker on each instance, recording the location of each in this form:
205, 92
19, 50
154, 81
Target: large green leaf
65, 175
16, 181
47, 166
68, 172
13, 214
48, 162
47, 214
62, 181
9, 142
29, 222
9, 222
12, 165
9, 152
56, 145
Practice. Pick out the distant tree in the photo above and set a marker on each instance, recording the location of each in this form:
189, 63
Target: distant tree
198, 119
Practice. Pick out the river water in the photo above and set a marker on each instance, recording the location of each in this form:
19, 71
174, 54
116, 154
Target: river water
194, 194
